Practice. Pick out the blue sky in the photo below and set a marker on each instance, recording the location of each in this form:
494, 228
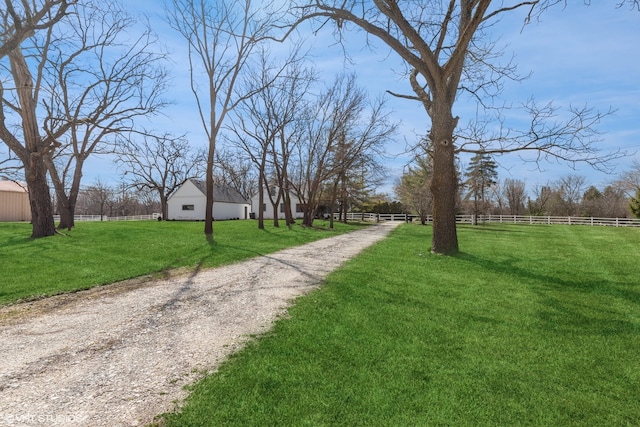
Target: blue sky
577, 55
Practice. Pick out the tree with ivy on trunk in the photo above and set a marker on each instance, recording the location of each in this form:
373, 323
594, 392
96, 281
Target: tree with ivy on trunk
446, 53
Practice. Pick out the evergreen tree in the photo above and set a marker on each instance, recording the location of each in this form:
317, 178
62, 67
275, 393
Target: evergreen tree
634, 204
481, 175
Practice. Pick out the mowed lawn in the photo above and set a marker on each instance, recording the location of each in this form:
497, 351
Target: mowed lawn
96, 253
530, 325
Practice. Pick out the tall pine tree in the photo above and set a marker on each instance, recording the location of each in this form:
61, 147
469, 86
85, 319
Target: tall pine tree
481, 175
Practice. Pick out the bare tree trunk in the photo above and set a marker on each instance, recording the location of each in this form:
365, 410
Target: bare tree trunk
309, 213
66, 203
67, 213
164, 206
332, 203
288, 213
344, 200
260, 201
208, 208
39, 198
33, 151
444, 186
276, 211
311, 207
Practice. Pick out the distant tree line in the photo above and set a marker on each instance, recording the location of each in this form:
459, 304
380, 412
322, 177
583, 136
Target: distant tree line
119, 200
482, 193
82, 78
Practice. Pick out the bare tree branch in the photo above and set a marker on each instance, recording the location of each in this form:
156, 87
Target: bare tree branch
21, 20
446, 52
221, 37
159, 164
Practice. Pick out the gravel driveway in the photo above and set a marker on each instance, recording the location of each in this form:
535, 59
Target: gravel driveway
119, 355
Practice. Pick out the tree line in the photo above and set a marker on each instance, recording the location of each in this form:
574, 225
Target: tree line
481, 192
81, 77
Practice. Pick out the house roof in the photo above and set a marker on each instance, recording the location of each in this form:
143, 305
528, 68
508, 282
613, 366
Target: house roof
13, 187
221, 193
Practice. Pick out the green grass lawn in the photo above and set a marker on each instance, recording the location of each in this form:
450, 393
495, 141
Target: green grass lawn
96, 253
531, 325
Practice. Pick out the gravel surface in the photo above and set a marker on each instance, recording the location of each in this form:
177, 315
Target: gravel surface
119, 355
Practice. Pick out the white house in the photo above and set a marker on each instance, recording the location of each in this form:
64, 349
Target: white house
188, 202
267, 208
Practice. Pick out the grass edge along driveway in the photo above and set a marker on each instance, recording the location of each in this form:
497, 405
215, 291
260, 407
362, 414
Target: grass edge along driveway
98, 253
531, 325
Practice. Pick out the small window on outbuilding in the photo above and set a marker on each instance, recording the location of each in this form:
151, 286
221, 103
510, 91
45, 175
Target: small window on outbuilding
187, 207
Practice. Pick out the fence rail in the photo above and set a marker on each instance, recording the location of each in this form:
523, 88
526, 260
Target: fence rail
461, 219
505, 219
154, 216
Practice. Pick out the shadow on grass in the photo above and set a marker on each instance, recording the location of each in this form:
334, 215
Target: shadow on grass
481, 227
571, 305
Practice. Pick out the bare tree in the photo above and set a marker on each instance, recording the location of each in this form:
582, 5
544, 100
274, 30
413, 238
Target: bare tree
629, 181
95, 199
236, 171
222, 37
614, 203
100, 81
542, 199
265, 124
20, 130
126, 201
515, 194
160, 164
496, 199
10, 165
413, 188
442, 46
21, 20
363, 133
571, 189
329, 121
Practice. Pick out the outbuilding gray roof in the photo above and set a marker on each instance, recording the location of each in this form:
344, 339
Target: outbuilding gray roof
221, 193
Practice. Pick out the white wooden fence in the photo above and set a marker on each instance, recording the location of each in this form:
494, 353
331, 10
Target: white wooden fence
505, 219
461, 219
154, 216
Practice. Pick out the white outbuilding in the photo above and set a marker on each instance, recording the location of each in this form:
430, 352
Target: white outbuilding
267, 208
188, 202
14, 201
